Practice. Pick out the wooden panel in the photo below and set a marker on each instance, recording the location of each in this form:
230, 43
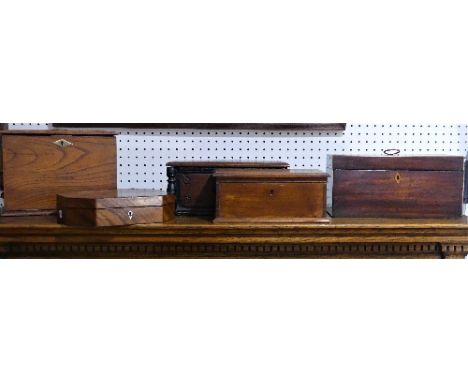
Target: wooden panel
426, 163
214, 126
227, 164
465, 194
37, 132
415, 194
196, 192
114, 198
193, 237
116, 216
254, 175
36, 169
270, 201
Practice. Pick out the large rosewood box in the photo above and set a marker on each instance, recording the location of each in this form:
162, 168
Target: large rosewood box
39, 164
114, 207
193, 185
397, 187
270, 196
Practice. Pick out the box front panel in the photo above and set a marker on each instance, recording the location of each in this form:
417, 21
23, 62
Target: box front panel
195, 193
270, 200
38, 168
128, 216
412, 194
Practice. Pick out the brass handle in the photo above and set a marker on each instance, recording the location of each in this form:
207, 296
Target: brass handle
391, 152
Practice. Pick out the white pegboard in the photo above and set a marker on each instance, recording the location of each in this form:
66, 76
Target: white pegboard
143, 154
28, 126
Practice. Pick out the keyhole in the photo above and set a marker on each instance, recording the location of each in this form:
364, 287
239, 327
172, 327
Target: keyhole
398, 177
271, 192
130, 214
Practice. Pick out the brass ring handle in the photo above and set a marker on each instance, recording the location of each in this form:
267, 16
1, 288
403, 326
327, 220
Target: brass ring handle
391, 152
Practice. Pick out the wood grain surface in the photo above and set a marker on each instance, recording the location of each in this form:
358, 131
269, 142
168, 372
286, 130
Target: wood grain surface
416, 194
106, 217
228, 164
35, 169
208, 126
192, 237
50, 132
399, 187
417, 163
270, 201
97, 199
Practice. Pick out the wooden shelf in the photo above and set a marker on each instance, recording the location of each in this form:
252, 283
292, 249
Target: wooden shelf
189, 237
210, 126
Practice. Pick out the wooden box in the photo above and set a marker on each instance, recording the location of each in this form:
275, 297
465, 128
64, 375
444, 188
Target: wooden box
270, 196
397, 187
114, 207
39, 164
194, 187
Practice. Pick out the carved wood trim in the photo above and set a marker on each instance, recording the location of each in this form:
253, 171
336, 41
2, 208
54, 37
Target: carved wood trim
169, 250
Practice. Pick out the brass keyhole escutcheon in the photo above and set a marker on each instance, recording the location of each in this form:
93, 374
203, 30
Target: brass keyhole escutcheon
398, 178
130, 214
63, 143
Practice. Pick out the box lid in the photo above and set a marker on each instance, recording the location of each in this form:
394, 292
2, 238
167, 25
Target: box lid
228, 164
114, 199
271, 174
422, 163
75, 132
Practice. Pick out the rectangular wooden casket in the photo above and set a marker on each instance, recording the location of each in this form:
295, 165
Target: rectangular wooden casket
270, 196
114, 207
193, 185
397, 187
36, 165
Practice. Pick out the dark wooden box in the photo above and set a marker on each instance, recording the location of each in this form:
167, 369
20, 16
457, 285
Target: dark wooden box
194, 187
114, 207
397, 187
270, 196
39, 164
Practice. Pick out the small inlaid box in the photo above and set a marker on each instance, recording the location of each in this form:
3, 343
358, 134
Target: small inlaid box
114, 207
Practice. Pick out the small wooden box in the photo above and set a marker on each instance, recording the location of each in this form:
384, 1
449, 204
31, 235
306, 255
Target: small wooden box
39, 164
270, 196
397, 187
114, 207
193, 185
